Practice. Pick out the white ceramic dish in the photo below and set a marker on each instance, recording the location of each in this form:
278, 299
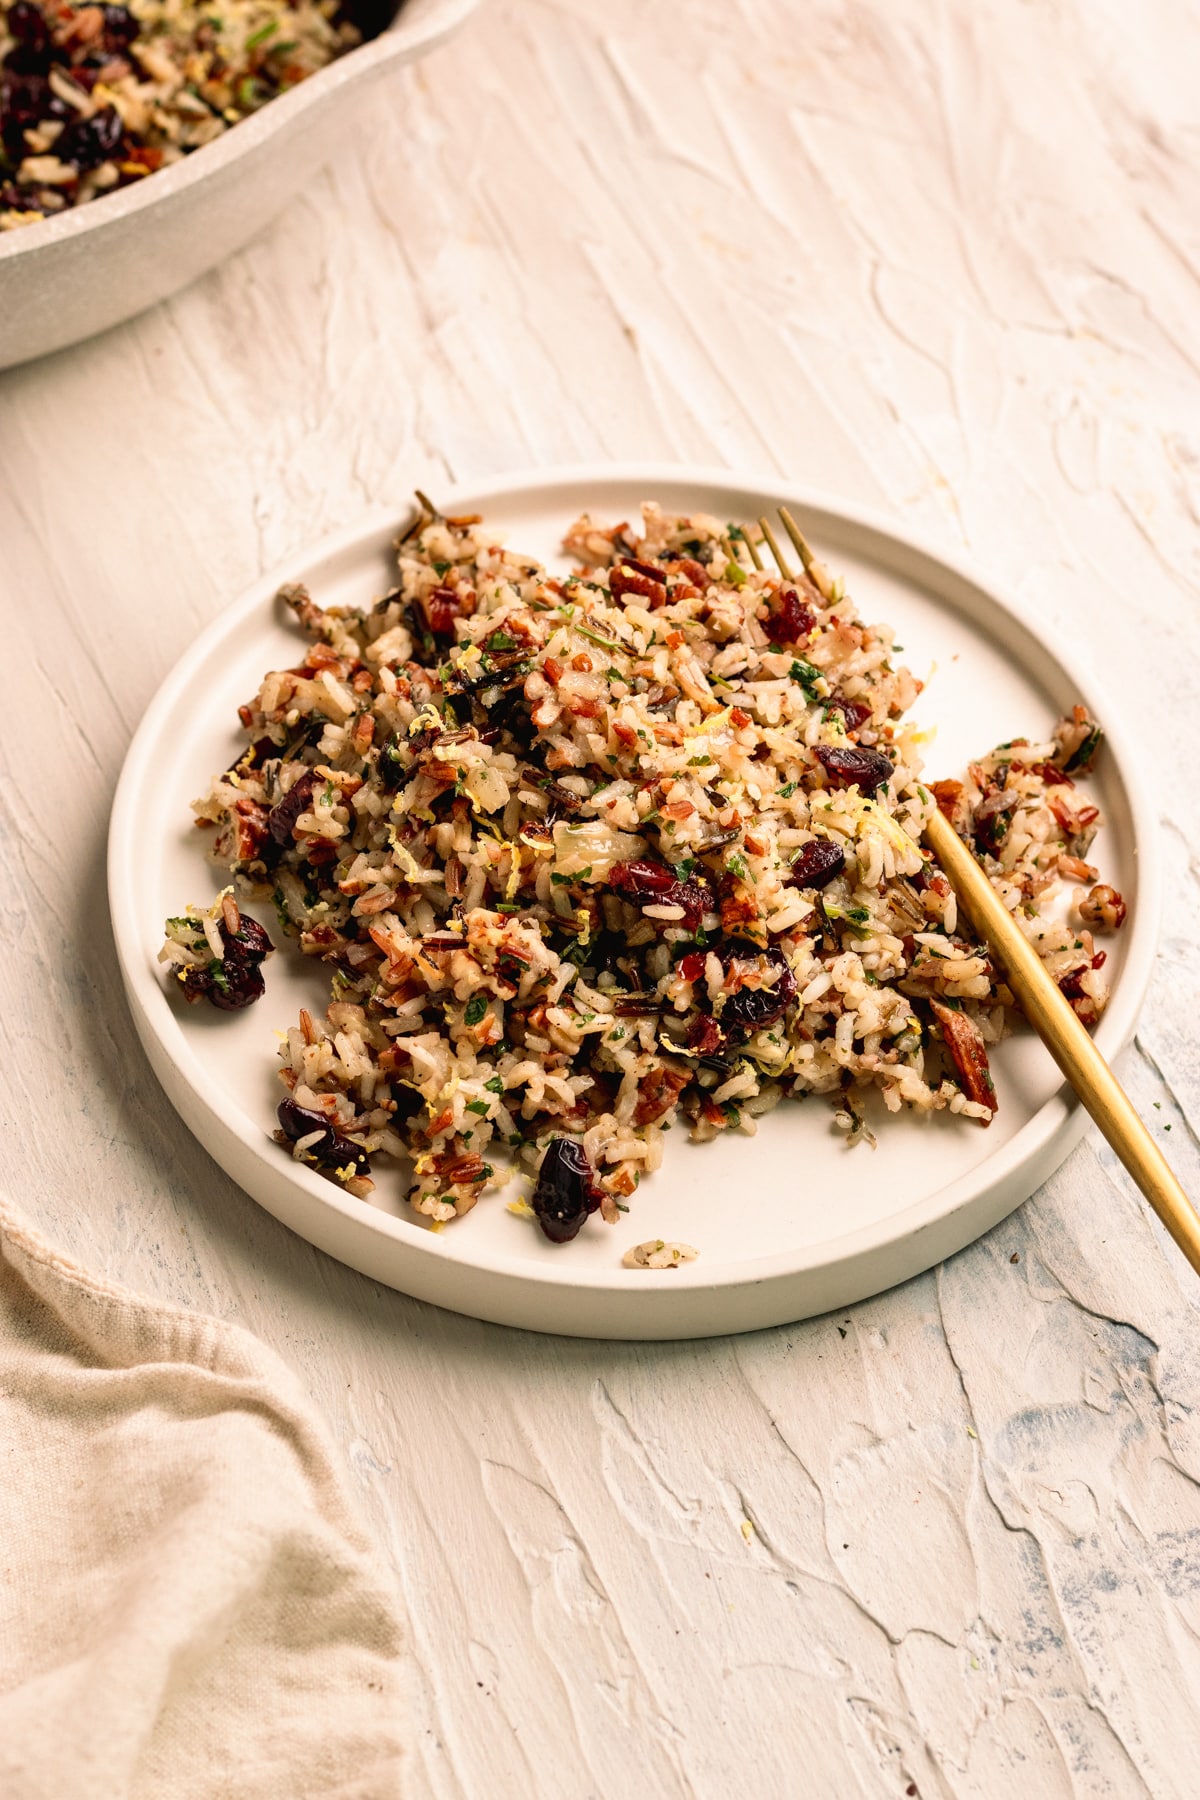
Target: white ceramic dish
86, 270
787, 1224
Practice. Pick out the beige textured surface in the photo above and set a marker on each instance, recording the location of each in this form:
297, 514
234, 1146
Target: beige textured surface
940, 257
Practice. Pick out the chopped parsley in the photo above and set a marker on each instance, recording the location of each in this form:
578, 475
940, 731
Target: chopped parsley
806, 677
857, 917
476, 1008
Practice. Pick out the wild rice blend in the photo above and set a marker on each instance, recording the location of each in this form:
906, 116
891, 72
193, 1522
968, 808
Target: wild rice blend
94, 98
588, 856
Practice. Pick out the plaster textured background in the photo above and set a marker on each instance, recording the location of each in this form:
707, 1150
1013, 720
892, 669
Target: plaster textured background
942, 256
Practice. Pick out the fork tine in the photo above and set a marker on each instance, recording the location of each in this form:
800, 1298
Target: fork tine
764, 525
816, 572
803, 548
751, 546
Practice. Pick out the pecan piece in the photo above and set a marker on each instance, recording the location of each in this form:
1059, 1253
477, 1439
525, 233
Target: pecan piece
968, 1052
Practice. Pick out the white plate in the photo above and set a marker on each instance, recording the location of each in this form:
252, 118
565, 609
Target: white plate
787, 1224
73, 275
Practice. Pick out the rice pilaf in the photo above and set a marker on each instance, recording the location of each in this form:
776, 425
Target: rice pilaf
96, 97
589, 855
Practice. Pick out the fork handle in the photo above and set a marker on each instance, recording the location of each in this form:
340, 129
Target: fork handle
1068, 1042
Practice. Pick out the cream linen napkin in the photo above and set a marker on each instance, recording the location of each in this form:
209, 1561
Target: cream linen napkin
187, 1606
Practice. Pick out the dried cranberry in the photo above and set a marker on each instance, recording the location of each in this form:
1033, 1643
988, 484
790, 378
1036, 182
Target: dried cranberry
120, 29
1071, 983
695, 901
991, 830
642, 879
240, 982
748, 1009
34, 48
854, 712
331, 1150
27, 25
281, 820
817, 864
251, 936
791, 621
1051, 774
89, 142
865, 769
235, 981
390, 769
25, 100
705, 1036
566, 1190
262, 750
649, 883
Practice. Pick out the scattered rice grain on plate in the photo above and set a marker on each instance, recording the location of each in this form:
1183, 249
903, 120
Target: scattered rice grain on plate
589, 856
657, 1254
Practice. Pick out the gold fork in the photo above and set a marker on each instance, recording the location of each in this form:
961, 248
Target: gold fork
1042, 1002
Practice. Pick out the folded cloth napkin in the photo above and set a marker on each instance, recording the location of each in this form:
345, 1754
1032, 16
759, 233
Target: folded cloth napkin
187, 1605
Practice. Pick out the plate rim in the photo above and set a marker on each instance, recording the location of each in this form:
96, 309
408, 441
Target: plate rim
1053, 1128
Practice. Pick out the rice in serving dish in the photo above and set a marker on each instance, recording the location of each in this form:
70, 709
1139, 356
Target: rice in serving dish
96, 97
589, 855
